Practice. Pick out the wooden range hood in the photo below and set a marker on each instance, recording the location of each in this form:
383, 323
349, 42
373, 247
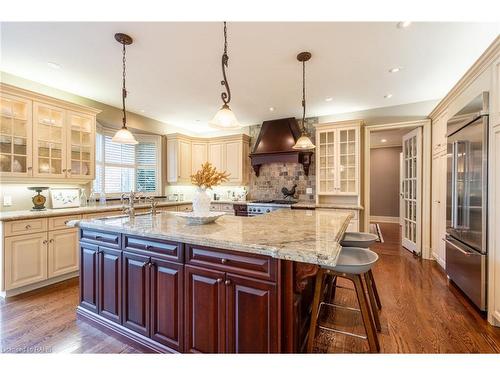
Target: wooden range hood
274, 145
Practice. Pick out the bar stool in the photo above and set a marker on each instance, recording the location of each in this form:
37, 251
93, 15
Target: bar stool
363, 240
353, 264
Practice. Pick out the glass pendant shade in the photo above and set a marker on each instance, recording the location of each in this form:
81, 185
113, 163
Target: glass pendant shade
124, 136
304, 143
224, 119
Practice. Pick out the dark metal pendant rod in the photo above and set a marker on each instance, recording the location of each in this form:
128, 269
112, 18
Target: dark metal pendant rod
226, 96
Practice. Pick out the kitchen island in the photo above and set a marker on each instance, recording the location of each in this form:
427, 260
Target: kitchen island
239, 285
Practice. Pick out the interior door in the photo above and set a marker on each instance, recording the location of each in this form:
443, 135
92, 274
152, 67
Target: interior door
401, 195
412, 190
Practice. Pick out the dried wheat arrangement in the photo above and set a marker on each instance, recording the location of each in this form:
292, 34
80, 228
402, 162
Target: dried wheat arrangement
208, 176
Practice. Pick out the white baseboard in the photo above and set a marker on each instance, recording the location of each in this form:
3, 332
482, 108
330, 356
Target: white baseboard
41, 284
439, 260
384, 219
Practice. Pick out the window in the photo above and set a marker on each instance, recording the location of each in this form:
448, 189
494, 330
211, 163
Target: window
122, 168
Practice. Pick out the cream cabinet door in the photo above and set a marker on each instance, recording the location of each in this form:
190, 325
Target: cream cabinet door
347, 159
25, 260
49, 141
199, 156
184, 160
233, 161
216, 156
62, 252
15, 136
80, 146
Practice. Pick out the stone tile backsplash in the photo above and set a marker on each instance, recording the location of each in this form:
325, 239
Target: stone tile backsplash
273, 177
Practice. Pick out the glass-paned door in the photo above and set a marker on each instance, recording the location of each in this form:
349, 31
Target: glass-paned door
327, 162
81, 140
49, 141
15, 136
412, 155
348, 165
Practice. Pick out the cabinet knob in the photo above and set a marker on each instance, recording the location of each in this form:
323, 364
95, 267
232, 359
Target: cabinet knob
51, 240
30, 168
223, 261
44, 242
227, 282
28, 226
219, 280
64, 170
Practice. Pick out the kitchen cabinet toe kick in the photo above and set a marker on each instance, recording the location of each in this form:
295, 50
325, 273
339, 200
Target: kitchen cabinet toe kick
203, 300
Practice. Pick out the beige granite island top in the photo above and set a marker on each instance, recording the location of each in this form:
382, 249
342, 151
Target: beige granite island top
299, 235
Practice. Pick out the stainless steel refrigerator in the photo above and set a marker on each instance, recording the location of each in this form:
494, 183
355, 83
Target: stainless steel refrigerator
466, 202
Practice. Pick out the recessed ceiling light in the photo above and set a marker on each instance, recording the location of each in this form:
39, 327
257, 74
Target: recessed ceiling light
403, 24
388, 96
271, 109
54, 65
395, 70
383, 140
329, 99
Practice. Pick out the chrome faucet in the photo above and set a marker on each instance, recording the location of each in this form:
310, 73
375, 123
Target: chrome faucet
131, 197
153, 204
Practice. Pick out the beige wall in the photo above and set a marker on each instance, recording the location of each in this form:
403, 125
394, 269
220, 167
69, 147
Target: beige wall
384, 181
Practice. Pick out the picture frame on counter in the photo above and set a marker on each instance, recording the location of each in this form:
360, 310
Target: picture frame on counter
65, 197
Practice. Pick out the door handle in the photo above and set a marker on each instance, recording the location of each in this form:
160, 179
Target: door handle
467, 253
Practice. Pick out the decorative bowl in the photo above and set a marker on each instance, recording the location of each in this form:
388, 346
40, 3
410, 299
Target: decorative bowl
194, 218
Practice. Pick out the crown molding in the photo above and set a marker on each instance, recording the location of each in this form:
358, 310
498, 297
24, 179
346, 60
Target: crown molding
481, 64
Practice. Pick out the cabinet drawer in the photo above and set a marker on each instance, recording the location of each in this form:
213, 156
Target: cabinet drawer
258, 266
215, 207
167, 249
185, 207
226, 207
101, 238
13, 228
60, 222
167, 208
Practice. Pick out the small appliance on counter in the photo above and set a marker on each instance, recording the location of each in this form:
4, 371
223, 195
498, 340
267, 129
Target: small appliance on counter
38, 199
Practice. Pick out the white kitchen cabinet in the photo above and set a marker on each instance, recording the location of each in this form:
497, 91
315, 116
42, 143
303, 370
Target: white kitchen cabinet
25, 258
216, 154
337, 159
186, 154
15, 136
62, 252
199, 155
45, 138
179, 166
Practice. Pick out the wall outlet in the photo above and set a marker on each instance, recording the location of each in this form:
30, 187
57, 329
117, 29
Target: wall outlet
309, 190
7, 200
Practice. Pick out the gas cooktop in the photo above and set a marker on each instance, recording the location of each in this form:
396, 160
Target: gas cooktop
274, 201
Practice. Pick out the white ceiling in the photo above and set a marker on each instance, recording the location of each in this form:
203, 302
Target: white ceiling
393, 137
174, 68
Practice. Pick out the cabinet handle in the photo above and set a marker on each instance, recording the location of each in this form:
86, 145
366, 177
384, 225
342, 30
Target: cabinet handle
69, 170
227, 282
148, 247
30, 168
66, 222
64, 170
219, 280
28, 226
51, 240
223, 261
44, 242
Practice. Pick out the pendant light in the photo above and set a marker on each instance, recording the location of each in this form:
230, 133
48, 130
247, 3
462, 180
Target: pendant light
225, 118
304, 142
124, 136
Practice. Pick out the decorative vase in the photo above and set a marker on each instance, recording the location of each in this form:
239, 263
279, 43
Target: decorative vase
201, 202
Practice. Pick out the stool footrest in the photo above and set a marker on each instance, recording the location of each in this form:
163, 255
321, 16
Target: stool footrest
339, 306
342, 332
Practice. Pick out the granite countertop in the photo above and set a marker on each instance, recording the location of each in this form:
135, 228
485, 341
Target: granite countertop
312, 204
298, 235
50, 212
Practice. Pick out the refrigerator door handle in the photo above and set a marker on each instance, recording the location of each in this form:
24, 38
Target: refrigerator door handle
454, 185
467, 253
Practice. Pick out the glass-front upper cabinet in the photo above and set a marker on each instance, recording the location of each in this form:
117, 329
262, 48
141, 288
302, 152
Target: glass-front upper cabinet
49, 140
338, 167
81, 140
15, 136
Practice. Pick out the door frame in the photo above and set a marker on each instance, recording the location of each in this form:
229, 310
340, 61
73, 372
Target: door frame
425, 202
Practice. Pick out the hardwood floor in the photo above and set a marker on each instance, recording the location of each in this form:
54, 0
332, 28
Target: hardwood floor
421, 311
421, 314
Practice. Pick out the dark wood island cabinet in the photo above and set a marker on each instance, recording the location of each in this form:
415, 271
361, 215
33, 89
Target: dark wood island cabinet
174, 297
242, 285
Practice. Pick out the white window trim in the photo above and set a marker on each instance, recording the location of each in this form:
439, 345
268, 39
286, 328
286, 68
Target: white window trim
149, 138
